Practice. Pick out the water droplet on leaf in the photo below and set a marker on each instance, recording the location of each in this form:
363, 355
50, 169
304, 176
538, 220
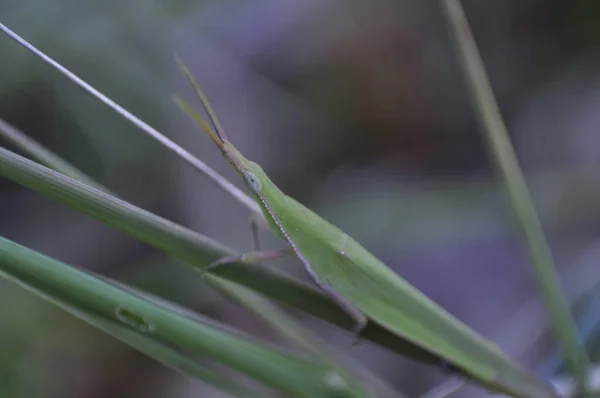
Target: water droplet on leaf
334, 381
134, 319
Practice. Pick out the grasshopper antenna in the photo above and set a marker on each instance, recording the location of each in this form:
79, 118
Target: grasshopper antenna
196, 163
218, 129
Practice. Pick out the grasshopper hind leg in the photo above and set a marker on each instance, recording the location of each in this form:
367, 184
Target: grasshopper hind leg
360, 320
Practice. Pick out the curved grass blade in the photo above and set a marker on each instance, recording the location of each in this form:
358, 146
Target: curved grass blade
588, 322
190, 247
196, 163
42, 154
445, 389
512, 177
144, 344
567, 387
300, 336
291, 330
276, 369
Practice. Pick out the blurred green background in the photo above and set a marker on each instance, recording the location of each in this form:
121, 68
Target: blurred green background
357, 109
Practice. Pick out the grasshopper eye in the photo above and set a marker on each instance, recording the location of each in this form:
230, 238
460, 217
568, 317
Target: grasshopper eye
253, 182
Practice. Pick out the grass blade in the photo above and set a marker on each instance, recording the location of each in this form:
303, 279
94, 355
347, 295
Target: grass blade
281, 371
300, 336
508, 167
190, 247
144, 344
43, 155
446, 389
196, 163
588, 322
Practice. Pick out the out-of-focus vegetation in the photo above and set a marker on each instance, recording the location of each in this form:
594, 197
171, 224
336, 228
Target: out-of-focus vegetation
356, 109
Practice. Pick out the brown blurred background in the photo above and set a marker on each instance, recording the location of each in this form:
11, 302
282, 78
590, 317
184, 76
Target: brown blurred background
357, 109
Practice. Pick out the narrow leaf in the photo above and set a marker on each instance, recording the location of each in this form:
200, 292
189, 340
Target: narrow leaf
159, 351
42, 154
512, 177
279, 370
297, 334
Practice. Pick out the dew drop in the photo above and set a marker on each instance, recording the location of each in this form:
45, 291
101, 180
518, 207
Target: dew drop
334, 381
341, 250
134, 319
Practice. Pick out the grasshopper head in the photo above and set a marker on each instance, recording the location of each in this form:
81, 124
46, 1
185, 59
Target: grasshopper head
253, 175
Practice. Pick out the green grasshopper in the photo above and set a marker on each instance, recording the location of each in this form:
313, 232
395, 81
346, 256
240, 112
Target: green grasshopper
363, 286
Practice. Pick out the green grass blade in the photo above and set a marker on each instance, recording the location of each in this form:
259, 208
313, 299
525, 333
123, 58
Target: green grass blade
276, 369
445, 389
588, 322
43, 155
164, 354
271, 315
144, 344
508, 167
300, 336
291, 330
190, 247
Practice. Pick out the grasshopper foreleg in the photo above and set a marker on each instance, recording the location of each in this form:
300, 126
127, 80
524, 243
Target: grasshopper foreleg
252, 257
254, 227
350, 309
